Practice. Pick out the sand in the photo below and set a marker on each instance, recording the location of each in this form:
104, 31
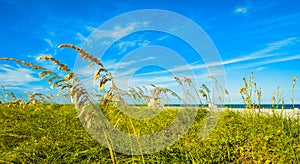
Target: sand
289, 113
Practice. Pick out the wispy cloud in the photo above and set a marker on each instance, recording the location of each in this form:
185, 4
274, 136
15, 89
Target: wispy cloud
81, 38
114, 34
269, 51
111, 65
270, 61
124, 45
288, 41
284, 19
163, 38
266, 52
105, 37
260, 68
51, 45
11, 76
50, 49
124, 64
241, 10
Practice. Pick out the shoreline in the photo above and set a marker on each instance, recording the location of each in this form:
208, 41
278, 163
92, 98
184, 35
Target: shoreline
291, 113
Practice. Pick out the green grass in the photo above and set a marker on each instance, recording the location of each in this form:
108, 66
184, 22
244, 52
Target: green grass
54, 134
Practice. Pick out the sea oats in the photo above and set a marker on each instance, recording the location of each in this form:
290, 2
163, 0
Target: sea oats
242, 90
55, 61
69, 76
294, 79
84, 55
98, 72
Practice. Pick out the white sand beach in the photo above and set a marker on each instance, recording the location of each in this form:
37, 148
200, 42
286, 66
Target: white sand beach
290, 113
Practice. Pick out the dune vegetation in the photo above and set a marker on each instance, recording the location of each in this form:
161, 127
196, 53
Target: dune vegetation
37, 129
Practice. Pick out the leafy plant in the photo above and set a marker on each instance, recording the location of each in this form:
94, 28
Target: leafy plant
247, 92
293, 91
258, 93
277, 98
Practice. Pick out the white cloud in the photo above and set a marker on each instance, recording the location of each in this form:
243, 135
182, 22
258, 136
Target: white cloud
106, 43
124, 45
51, 45
115, 33
288, 41
272, 53
81, 38
163, 38
11, 76
113, 64
269, 51
241, 10
126, 81
125, 73
271, 61
148, 58
260, 68
104, 37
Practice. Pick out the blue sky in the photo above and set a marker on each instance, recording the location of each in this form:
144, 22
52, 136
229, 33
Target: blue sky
251, 36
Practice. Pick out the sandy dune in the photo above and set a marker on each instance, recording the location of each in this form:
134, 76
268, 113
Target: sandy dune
291, 113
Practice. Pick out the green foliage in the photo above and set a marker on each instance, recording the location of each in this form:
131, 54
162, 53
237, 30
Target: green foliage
35, 131
250, 92
277, 98
54, 134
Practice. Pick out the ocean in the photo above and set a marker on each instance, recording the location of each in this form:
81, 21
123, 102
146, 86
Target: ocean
268, 106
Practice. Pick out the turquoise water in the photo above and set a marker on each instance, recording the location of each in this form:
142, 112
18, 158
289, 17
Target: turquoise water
268, 106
